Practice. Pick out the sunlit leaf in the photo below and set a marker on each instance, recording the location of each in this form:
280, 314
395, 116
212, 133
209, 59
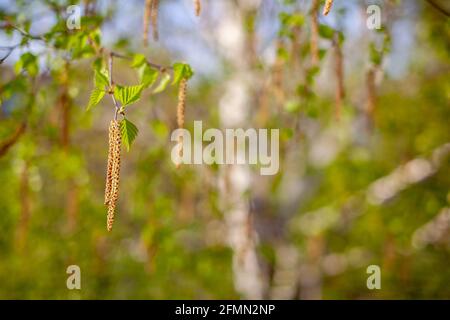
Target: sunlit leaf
128, 94
181, 70
138, 60
28, 62
162, 83
326, 31
148, 75
129, 132
96, 96
101, 79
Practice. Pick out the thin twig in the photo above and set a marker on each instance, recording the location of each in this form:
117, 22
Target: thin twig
11, 140
439, 8
115, 54
22, 32
111, 83
10, 50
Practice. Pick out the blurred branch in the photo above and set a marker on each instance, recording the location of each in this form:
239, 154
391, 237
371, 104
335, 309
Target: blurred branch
438, 8
381, 190
10, 49
99, 50
10, 141
8, 25
111, 83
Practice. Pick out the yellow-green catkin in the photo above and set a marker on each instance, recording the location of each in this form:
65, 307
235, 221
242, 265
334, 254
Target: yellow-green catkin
327, 7
197, 7
314, 33
109, 166
147, 14
115, 174
339, 72
154, 17
181, 111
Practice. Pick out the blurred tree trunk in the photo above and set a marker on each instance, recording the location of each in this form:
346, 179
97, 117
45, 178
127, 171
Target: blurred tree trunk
236, 180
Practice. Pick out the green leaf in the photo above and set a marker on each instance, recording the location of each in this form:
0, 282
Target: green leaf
128, 94
326, 31
180, 71
28, 62
101, 79
147, 75
96, 96
375, 55
96, 36
138, 60
163, 83
292, 106
129, 132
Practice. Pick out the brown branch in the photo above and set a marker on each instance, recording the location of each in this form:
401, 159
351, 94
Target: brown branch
8, 25
10, 49
111, 83
438, 8
101, 50
11, 140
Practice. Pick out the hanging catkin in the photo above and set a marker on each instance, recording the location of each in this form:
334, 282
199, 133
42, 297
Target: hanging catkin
371, 94
327, 7
115, 173
339, 72
314, 33
198, 7
154, 17
109, 167
147, 14
180, 112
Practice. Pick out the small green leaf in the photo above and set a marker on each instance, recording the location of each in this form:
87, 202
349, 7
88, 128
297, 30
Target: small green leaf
98, 64
163, 83
292, 106
128, 94
28, 62
147, 75
181, 70
129, 132
326, 31
138, 60
96, 96
96, 36
101, 79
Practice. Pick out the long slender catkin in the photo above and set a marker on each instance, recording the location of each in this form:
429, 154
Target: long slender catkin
154, 17
327, 7
197, 7
180, 111
109, 166
339, 72
371, 92
147, 14
314, 33
115, 176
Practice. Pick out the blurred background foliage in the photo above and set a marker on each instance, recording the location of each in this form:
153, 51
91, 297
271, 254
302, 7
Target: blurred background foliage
364, 177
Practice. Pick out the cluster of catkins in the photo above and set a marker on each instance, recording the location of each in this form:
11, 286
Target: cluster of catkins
151, 16
113, 171
151, 9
